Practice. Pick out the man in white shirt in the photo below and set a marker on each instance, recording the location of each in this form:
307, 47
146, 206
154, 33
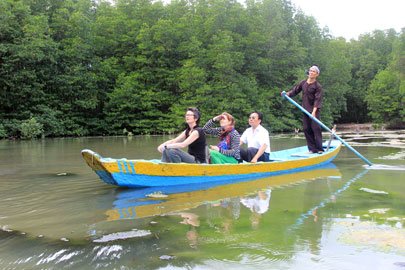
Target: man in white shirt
257, 139
260, 203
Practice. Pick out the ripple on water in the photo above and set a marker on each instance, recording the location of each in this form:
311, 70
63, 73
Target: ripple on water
122, 236
244, 261
107, 252
51, 257
383, 167
396, 156
257, 253
58, 207
69, 256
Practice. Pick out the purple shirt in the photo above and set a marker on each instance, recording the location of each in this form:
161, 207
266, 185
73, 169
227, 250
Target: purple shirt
311, 94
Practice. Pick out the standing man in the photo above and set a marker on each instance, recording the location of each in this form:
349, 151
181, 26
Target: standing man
312, 94
257, 139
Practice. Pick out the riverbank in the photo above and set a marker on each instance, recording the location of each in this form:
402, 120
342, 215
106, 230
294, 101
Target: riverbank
369, 134
354, 127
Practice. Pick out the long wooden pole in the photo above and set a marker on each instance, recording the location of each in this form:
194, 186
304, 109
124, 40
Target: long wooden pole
284, 94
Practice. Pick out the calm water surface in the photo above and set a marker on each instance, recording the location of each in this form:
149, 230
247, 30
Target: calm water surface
55, 213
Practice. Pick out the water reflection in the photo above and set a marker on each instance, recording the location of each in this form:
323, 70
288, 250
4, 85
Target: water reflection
258, 205
193, 220
140, 203
332, 198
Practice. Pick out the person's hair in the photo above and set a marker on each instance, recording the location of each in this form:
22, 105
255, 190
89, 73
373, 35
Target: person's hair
230, 118
196, 112
259, 115
316, 69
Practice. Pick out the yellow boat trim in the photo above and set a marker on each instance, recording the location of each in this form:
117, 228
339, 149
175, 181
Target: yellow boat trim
182, 169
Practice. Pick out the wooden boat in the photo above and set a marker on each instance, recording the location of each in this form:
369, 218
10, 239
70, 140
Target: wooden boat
154, 173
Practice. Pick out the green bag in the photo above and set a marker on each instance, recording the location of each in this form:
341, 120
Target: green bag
218, 158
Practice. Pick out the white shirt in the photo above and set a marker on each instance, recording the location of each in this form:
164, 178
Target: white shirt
257, 204
256, 138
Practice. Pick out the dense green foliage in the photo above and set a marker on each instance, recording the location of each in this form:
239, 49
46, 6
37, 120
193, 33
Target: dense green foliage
85, 67
31, 129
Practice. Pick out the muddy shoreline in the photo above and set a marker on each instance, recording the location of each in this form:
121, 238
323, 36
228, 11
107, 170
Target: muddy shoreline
357, 127
367, 134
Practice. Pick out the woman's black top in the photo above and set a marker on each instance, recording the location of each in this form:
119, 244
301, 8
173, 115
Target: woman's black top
197, 148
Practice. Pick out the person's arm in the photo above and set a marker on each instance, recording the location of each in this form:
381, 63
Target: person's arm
193, 136
209, 127
314, 111
295, 90
318, 99
259, 153
243, 138
179, 138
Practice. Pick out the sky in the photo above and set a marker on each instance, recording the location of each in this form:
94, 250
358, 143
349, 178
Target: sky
350, 18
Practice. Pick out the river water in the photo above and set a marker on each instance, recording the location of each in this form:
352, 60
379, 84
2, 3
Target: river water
56, 214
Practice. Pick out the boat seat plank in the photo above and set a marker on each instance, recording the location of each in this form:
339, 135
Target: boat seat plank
303, 154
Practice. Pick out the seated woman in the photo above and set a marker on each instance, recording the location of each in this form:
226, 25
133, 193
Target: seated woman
193, 137
228, 149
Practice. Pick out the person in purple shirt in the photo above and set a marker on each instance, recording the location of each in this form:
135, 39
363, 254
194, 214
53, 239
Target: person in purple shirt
312, 94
